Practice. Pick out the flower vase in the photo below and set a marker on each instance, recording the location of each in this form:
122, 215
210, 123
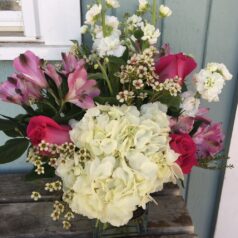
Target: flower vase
136, 226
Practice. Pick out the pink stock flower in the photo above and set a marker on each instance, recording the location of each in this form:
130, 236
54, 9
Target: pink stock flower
52, 73
29, 65
174, 65
81, 90
44, 128
70, 63
209, 139
16, 89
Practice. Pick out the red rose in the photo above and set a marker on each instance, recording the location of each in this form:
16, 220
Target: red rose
44, 128
183, 144
177, 65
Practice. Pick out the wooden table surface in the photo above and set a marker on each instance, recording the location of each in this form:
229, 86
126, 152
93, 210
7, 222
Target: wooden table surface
23, 218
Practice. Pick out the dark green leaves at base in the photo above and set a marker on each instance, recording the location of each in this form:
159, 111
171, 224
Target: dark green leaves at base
13, 149
49, 173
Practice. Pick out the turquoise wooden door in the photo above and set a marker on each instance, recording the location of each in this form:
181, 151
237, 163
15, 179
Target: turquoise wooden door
208, 30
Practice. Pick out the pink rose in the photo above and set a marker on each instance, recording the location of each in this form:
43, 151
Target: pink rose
174, 65
183, 144
44, 128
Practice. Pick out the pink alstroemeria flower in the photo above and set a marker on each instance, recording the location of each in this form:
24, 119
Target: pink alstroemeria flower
70, 63
52, 73
209, 139
202, 115
174, 65
16, 89
29, 65
183, 124
81, 90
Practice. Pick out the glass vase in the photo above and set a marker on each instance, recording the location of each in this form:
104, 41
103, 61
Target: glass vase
136, 226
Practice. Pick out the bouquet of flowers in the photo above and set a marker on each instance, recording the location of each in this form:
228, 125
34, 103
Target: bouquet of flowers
116, 122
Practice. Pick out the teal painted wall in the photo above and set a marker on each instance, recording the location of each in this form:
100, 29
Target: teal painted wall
208, 30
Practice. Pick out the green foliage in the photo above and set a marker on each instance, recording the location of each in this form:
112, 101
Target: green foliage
49, 173
107, 100
218, 162
114, 66
14, 127
196, 126
170, 101
13, 149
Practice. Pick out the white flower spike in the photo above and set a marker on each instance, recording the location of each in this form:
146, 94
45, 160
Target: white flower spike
164, 11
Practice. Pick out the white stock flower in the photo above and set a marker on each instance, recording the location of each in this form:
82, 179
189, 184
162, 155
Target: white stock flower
112, 21
219, 68
130, 159
150, 33
83, 29
92, 13
134, 22
110, 45
164, 11
189, 104
143, 5
209, 84
113, 3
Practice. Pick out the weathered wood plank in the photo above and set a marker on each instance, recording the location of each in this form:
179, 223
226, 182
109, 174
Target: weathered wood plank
25, 219
167, 236
16, 189
169, 216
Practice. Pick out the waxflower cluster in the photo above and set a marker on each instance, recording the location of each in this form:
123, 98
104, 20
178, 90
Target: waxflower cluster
113, 122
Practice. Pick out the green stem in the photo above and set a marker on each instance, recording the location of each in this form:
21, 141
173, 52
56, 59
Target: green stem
106, 77
103, 18
154, 11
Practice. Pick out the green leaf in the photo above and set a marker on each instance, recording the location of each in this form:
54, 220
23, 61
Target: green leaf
6, 125
196, 126
106, 100
18, 124
114, 66
9, 128
170, 101
96, 76
13, 149
12, 133
138, 34
45, 108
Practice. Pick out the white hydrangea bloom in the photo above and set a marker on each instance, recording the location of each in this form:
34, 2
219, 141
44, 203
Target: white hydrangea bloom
209, 84
92, 13
143, 5
150, 33
189, 104
113, 3
130, 159
219, 68
164, 11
